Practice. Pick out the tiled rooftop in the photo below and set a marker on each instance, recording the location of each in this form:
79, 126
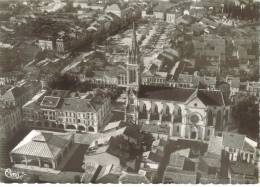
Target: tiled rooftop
208, 97
42, 144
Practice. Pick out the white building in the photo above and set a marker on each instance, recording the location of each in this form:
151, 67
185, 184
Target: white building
239, 147
170, 17
189, 113
81, 112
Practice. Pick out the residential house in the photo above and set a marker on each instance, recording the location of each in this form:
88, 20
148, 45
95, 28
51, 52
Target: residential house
108, 175
253, 88
186, 80
185, 20
217, 5
126, 13
158, 147
133, 178
173, 175
91, 171
10, 78
10, 120
169, 54
242, 173
245, 49
180, 160
88, 4
158, 132
19, 94
209, 168
112, 126
209, 23
116, 148
160, 10
182, 167
239, 147
115, 9
129, 133
104, 76
115, 151
234, 83
208, 81
152, 76
46, 43
171, 16
210, 46
150, 164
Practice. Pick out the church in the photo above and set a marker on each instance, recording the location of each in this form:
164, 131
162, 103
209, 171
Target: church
188, 113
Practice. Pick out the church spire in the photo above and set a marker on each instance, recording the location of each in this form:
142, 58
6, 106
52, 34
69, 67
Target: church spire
134, 47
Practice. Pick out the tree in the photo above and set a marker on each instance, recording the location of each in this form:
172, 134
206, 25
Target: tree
246, 113
4, 156
9, 60
147, 140
69, 7
77, 179
63, 82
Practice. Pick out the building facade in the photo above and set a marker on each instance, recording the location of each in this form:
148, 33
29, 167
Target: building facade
184, 111
79, 113
188, 113
170, 17
46, 44
18, 95
10, 119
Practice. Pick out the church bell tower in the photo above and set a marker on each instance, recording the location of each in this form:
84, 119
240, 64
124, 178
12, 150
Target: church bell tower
133, 63
133, 79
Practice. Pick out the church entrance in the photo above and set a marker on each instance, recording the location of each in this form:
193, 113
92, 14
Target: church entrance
194, 133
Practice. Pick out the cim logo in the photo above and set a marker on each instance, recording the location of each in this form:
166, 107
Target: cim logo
16, 175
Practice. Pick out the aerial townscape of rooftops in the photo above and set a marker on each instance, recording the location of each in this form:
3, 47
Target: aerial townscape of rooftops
130, 91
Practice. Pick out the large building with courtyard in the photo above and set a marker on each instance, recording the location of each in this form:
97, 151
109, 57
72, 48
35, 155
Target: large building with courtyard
68, 111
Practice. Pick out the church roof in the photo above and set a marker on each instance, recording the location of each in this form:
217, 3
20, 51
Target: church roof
164, 93
208, 97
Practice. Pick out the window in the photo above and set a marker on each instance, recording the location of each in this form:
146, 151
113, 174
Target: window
178, 128
155, 109
210, 118
194, 118
208, 132
167, 110
218, 121
91, 129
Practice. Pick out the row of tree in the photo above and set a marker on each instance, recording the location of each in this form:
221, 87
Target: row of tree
242, 11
